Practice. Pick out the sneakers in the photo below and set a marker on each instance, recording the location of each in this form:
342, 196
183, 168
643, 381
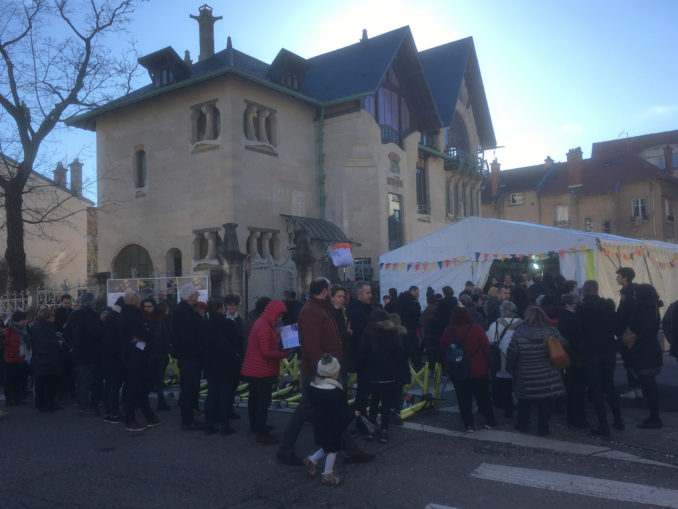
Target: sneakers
153, 423
636, 393
267, 439
331, 479
383, 437
134, 426
310, 467
288, 458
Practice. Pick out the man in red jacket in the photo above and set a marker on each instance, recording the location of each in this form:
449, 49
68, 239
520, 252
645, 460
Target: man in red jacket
318, 334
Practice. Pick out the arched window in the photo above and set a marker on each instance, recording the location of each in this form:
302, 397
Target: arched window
173, 262
133, 261
139, 169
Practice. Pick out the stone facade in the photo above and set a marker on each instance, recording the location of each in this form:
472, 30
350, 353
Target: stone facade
241, 178
628, 187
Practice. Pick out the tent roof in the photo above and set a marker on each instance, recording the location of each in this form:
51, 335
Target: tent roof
482, 235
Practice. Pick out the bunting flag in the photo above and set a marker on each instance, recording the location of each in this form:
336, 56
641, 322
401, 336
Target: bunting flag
520, 257
573, 248
495, 255
454, 260
416, 267
381, 266
402, 266
485, 257
447, 263
387, 266
477, 255
409, 266
561, 252
440, 265
433, 265
463, 259
503, 257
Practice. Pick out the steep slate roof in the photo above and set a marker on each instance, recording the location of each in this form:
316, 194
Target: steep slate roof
359, 69
634, 144
515, 180
349, 72
604, 174
445, 68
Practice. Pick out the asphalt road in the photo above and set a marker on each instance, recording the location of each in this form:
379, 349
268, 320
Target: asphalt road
62, 460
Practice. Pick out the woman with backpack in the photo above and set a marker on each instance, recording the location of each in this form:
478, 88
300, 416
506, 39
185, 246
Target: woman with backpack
535, 381
468, 371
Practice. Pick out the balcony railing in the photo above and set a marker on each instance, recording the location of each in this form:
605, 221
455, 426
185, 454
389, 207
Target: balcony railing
466, 164
389, 135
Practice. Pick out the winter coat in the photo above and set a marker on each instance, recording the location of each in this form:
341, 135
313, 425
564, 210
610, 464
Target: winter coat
670, 327
86, 333
133, 329
349, 364
112, 346
17, 344
596, 317
496, 333
491, 308
222, 348
409, 311
61, 315
569, 326
45, 345
358, 315
646, 354
382, 353
188, 332
527, 359
262, 359
331, 413
475, 343
318, 334
162, 340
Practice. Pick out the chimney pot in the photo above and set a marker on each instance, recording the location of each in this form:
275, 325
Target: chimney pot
364, 34
668, 158
76, 177
206, 26
574, 168
548, 162
60, 175
187, 57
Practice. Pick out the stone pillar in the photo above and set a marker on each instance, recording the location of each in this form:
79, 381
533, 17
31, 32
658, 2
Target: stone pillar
263, 115
206, 26
574, 168
251, 131
234, 280
212, 243
76, 177
60, 175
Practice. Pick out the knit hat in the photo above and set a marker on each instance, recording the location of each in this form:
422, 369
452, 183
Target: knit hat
328, 366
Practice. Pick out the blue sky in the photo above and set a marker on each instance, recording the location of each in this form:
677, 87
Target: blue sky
557, 75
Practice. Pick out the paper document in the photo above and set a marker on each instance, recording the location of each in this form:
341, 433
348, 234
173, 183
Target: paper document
290, 336
141, 345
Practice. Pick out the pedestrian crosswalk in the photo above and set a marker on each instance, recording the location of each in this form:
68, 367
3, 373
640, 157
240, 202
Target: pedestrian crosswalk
578, 485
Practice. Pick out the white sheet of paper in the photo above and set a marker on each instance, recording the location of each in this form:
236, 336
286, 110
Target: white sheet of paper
290, 336
141, 345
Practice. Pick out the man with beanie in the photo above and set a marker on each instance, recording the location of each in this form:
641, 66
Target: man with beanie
331, 416
318, 334
188, 331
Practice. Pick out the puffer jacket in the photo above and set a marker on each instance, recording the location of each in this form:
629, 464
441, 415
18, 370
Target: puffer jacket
476, 344
527, 359
17, 343
262, 359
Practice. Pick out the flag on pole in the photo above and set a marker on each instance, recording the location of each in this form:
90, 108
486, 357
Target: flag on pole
341, 255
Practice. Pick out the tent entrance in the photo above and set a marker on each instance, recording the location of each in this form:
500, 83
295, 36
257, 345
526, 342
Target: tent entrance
515, 267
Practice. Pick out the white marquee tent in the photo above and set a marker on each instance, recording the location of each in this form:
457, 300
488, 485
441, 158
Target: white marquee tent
465, 251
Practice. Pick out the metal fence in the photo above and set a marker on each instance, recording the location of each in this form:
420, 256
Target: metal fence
35, 297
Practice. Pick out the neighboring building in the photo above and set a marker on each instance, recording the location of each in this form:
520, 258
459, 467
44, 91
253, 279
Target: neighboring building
628, 187
248, 171
57, 243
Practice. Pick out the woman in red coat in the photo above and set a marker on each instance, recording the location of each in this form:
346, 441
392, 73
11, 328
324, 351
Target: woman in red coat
17, 354
261, 368
464, 331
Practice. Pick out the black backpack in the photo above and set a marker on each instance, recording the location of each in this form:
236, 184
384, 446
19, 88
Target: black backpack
458, 363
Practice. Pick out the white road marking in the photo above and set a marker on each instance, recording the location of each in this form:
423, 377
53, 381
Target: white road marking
521, 440
438, 506
579, 485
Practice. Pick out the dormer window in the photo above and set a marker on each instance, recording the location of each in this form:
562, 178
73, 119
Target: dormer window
165, 67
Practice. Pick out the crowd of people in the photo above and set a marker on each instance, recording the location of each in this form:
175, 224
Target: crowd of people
494, 344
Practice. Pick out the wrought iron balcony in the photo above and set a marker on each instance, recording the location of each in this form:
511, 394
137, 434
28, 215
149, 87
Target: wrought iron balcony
467, 164
389, 135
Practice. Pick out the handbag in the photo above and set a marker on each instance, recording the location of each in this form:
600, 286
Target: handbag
629, 338
557, 354
494, 359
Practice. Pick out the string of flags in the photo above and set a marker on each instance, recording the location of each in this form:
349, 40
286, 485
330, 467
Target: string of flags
479, 257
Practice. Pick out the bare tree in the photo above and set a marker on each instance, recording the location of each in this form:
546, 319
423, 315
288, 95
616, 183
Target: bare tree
55, 62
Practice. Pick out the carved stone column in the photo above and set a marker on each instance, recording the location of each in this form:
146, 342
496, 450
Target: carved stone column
263, 115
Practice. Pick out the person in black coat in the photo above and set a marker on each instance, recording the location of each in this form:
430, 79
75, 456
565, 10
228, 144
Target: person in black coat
45, 360
161, 346
409, 310
136, 337
112, 366
576, 373
85, 332
596, 318
645, 355
331, 416
188, 348
359, 310
222, 367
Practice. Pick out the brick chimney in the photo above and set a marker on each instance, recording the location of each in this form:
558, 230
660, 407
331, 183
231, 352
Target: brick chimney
494, 177
548, 162
574, 168
206, 26
668, 158
76, 177
60, 175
